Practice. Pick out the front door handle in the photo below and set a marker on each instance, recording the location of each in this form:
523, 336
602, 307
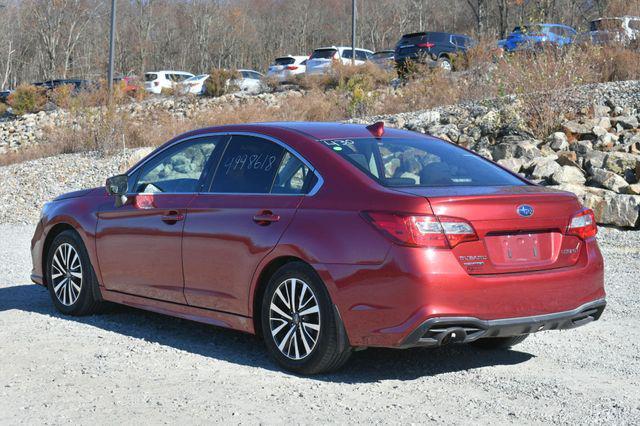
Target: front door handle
172, 217
265, 217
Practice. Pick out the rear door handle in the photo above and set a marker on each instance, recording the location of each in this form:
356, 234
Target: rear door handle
265, 217
172, 217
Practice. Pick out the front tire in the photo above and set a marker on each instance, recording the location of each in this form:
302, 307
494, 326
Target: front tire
497, 343
70, 277
301, 327
444, 64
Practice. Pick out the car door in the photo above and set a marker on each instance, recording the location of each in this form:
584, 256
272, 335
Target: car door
255, 191
139, 244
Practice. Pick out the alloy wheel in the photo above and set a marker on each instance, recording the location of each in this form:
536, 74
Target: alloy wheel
294, 318
66, 274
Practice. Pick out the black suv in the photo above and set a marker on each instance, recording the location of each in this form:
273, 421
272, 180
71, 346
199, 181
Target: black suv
432, 48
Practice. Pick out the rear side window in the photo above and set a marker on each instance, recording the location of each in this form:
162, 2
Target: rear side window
284, 61
249, 165
150, 77
323, 53
347, 53
292, 176
415, 162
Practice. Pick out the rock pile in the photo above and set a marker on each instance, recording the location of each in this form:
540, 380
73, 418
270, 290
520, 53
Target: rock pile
28, 129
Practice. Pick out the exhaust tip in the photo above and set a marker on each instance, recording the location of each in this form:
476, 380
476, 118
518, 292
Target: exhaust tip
451, 335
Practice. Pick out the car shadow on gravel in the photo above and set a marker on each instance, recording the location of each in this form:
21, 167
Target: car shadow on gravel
201, 339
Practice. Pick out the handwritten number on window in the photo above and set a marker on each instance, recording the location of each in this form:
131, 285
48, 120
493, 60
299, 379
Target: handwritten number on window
261, 162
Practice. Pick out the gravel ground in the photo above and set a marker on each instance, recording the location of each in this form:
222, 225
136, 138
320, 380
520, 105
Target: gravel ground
129, 366
25, 187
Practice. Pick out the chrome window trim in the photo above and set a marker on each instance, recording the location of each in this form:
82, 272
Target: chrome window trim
311, 193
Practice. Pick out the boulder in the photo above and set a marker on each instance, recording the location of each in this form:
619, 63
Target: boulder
544, 168
633, 189
621, 210
567, 158
568, 174
608, 180
513, 164
594, 159
582, 147
576, 129
621, 163
626, 122
503, 150
558, 141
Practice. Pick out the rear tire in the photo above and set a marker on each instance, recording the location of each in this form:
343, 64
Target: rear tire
301, 327
496, 343
71, 280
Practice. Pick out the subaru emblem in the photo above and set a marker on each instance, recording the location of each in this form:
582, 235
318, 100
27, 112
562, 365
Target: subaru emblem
525, 210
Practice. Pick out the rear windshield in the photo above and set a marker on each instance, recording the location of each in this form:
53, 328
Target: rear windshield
150, 77
284, 61
420, 162
323, 53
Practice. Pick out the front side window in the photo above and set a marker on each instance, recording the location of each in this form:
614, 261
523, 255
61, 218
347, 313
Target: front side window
177, 170
347, 53
419, 162
249, 166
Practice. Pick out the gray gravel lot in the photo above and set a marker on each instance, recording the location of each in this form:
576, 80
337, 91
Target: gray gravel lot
129, 366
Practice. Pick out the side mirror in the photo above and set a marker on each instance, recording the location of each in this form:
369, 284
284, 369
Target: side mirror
118, 185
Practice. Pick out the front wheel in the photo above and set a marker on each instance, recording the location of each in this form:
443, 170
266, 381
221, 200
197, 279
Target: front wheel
444, 64
302, 329
70, 277
493, 343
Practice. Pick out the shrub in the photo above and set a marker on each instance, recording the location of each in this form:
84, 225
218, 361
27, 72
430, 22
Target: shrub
3, 108
27, 99
62, 96
221, 82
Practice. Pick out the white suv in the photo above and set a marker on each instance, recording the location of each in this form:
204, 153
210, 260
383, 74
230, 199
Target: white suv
320, 61
285, 68
155, 81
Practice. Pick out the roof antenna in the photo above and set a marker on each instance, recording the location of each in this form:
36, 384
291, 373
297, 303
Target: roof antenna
376, 129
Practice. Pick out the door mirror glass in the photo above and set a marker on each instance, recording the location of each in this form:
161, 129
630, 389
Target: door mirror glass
117, 185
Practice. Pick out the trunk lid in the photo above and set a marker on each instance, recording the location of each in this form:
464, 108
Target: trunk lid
520, 228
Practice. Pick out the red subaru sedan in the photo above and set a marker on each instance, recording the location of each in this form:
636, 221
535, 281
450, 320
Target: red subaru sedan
325, 238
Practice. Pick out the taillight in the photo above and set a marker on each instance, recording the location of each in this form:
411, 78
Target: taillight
583, 224
292, 67
422, 230
427, 45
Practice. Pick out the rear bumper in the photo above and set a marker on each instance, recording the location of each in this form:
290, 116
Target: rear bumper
382, 305
438, 331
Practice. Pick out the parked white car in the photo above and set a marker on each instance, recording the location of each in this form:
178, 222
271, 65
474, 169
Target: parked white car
285, 68
193, 85
321, 59
155, 81
250, 81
